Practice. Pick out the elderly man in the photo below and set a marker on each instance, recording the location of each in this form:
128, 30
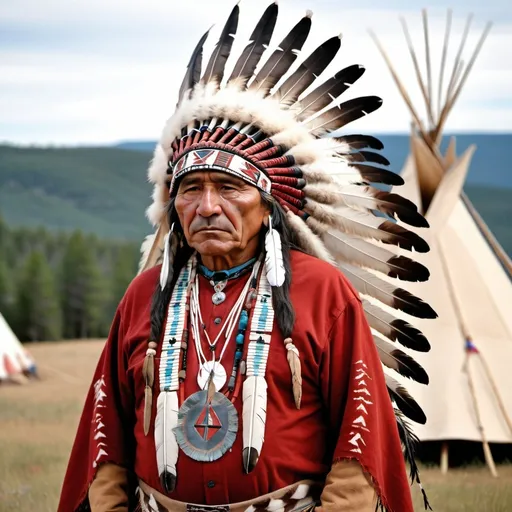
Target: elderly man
240, 372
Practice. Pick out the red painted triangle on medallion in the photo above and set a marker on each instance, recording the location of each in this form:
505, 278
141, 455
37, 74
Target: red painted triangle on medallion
208, 423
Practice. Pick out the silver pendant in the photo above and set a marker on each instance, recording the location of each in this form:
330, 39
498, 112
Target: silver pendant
218, 298
219, 375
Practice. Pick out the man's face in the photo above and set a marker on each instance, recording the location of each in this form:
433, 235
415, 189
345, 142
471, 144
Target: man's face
221, 215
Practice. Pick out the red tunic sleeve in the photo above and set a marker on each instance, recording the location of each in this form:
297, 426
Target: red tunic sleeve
105, 425
361, 415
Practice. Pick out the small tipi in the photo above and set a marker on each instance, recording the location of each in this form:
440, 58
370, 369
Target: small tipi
470, 392
15, 362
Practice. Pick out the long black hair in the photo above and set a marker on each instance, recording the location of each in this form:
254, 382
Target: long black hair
284, 312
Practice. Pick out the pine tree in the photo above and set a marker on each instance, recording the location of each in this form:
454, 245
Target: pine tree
83, 293
37, 305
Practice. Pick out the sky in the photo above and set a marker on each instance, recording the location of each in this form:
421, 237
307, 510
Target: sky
102, 71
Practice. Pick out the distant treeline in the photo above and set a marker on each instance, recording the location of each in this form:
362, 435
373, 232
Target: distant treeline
62, 285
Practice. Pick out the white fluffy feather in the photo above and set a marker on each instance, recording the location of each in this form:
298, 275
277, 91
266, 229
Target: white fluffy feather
254, 413
165, 440
274, 264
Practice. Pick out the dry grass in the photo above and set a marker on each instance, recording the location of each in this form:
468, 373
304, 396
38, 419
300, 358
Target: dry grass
38, 422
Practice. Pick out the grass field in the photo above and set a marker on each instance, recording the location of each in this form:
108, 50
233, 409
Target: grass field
38, 422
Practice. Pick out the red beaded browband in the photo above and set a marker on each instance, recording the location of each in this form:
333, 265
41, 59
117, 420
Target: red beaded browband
236, 151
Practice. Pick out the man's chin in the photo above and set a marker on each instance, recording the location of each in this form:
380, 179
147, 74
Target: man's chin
214, 247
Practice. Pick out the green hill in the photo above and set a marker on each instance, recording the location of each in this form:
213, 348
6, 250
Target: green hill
100, 190
104, 191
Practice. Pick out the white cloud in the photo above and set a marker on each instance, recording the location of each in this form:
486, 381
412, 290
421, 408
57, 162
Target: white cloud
100, 71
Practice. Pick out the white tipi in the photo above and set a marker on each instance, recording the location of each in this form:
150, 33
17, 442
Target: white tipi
470, 392
15, 362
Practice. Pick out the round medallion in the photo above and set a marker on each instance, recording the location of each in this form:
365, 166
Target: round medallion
206, 427
219, 375
218, 298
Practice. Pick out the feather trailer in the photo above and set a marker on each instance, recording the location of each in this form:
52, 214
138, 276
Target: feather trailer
308, 71
410, 442
404, 401
145, 248
215, 68
366, 156
193, 74
326, 93
165, 439
260, 38
397, 298
254, 413
343, 114
364, 254
282, 58
274, 265
306, 239
366, 225
376, 174
395, 329
399, 361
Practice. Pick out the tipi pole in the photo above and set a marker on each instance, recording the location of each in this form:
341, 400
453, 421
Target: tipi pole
485, 444
429, 68
443, 61
467, 337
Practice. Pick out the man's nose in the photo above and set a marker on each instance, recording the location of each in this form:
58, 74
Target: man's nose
209, 203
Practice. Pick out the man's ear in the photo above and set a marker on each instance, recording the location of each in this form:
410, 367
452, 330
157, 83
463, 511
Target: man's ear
265, 219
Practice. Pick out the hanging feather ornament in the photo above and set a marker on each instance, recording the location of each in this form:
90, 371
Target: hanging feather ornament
274, 265
292, 354
254, 415
170, 248
148, 374
165, 441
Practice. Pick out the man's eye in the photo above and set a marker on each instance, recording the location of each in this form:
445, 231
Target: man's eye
191, 189
228, 187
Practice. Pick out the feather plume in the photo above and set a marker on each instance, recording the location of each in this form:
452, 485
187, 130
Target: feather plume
366, 225
399, 361
215, 68
193, 74
259, 40
364, 254
145, 248
375, 174
366, 156
308, 71
165, 439
274, 265
395, 329
363, 197
326, 93
282, 58
397, 298
361, 141
340, 115
254, 415
404, 401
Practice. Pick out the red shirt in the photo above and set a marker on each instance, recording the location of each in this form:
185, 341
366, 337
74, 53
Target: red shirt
337, 354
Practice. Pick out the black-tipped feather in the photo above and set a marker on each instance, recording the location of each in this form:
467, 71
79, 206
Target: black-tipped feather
282, 58
308, 71
367, 156
217, 63
399, 361
399, 207
395, 329
340, 115
404, 401
260, 37
360, 141
193, 74
403, 238
331, 89
387, 293
378, 175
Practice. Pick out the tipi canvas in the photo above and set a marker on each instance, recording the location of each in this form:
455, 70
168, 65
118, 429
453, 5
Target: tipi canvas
15, 362
470, 392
